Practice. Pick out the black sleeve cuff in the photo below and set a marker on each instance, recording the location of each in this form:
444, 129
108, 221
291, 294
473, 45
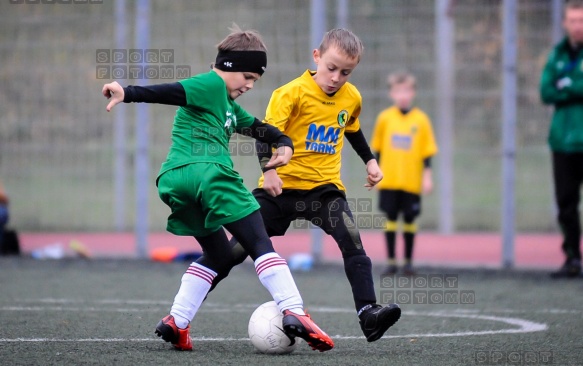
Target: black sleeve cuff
267, 137
264, 153
359, 144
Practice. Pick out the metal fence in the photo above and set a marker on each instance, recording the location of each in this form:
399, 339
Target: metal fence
57, 142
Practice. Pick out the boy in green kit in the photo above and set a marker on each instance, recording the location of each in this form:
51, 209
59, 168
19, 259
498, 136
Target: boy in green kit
205, 194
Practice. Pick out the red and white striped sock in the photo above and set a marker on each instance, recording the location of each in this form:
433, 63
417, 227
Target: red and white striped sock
195, 285
275, 275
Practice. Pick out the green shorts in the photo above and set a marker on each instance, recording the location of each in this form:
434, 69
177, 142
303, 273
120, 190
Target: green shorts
204, 196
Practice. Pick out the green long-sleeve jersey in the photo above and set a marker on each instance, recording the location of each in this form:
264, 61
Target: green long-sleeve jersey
562, 86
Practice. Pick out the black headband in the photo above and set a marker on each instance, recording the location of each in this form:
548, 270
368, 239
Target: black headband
245, 61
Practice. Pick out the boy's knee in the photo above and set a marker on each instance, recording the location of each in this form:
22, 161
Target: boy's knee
409, 217
356, 259
238, 255
226, 262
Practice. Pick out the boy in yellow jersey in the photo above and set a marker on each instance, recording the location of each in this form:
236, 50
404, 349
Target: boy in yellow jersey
403, 139
317, 110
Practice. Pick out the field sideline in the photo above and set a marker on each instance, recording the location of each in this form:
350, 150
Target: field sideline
461, 250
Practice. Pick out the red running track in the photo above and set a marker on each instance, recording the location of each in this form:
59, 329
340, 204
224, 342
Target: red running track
465, 250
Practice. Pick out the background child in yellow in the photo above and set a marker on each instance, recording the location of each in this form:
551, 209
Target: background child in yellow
404, 143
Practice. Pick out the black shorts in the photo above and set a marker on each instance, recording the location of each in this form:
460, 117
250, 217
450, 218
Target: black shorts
394, 202
278, 212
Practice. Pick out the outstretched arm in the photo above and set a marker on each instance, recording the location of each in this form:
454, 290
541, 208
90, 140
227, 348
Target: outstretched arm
359, 144
170, 94
114, 92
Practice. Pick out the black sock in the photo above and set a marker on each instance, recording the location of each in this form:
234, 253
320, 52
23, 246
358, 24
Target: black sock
409, 240
358, 270
390, 237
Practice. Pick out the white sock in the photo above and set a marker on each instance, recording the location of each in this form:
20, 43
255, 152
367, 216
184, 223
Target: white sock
195, 285
275, 275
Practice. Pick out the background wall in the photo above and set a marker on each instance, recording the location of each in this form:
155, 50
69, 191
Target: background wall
57, 141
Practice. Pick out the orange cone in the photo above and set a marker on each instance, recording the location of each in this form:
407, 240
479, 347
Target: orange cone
164, 254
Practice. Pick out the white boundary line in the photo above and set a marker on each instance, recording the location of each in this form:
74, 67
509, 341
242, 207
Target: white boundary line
220, 308
245, 309
522, 326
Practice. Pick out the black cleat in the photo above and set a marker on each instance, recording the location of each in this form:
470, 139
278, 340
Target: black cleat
376, 320
391, 269
408, 270
571, 269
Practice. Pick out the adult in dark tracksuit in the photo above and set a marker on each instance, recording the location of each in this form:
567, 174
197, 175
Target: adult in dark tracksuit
562, 86
3, 213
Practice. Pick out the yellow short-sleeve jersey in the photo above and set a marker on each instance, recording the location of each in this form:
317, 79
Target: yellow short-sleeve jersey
316, 123
403, 142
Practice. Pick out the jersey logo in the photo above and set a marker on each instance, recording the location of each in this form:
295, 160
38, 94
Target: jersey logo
321, 140
401, 142
231, 119
342, 118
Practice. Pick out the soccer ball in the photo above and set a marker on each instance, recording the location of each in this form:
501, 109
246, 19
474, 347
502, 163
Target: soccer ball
266, 331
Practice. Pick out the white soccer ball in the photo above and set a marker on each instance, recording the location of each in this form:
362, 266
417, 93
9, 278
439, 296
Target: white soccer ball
266, 331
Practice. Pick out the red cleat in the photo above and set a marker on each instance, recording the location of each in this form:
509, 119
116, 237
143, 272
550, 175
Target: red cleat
304, 327
169, 332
